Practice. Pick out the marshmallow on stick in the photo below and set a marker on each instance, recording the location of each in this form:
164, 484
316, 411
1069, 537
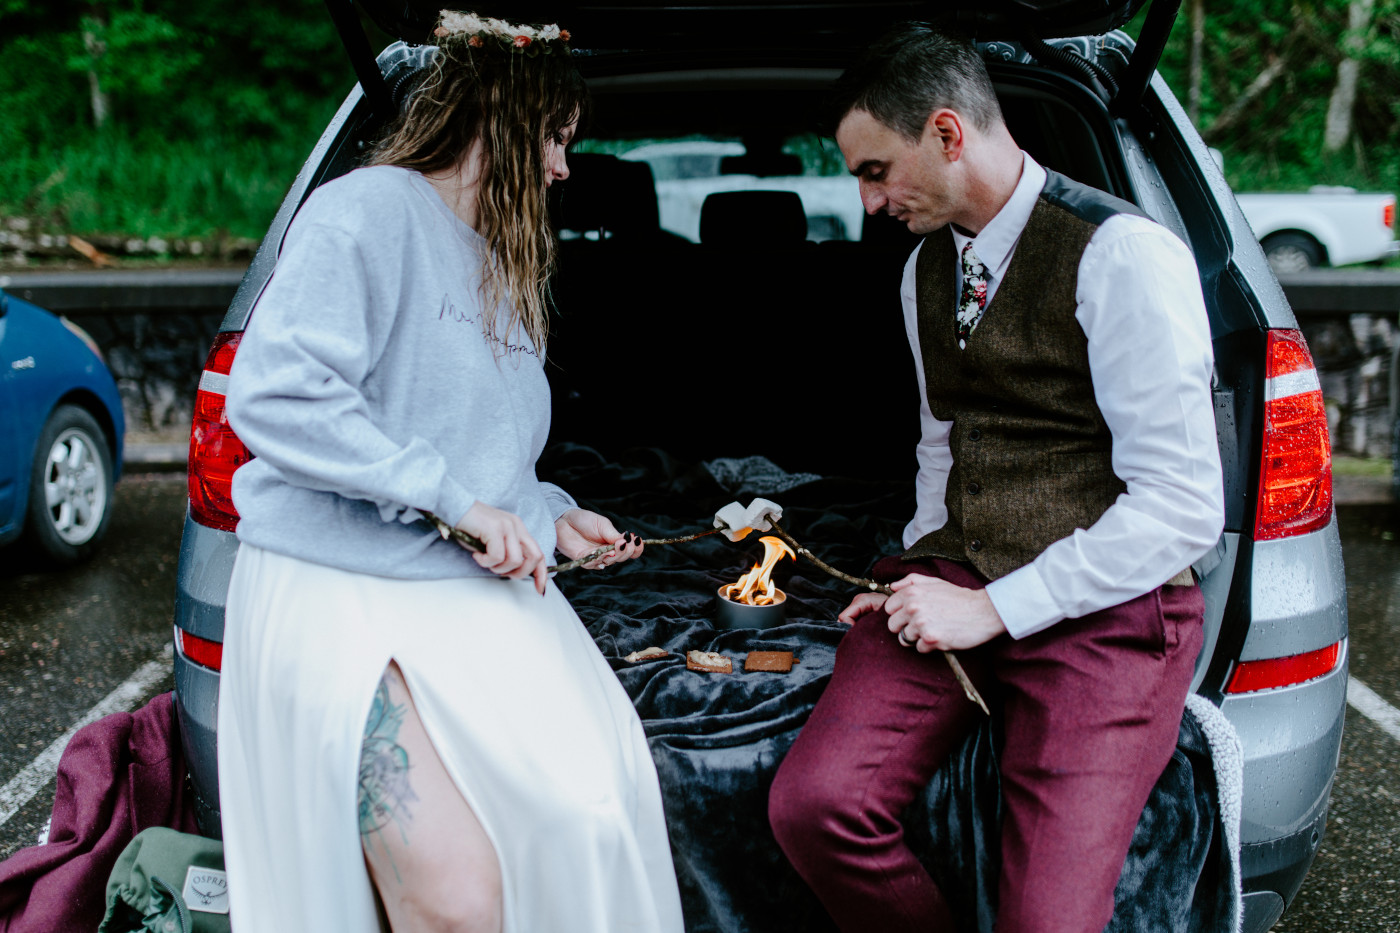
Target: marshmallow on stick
735, 521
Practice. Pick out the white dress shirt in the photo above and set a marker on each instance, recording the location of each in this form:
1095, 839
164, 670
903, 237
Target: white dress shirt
1139, 302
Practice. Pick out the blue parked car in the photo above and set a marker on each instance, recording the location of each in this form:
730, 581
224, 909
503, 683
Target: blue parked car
61, 430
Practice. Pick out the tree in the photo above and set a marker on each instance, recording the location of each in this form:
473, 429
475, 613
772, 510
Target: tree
1337, 129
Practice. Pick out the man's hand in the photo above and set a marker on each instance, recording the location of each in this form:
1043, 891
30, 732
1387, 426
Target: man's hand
863, 603
941, 616
511, 550
581, 532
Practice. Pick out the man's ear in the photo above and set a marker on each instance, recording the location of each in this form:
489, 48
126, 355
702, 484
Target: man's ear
944, 130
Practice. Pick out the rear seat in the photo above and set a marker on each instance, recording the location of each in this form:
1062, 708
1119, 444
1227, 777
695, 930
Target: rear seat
754, 341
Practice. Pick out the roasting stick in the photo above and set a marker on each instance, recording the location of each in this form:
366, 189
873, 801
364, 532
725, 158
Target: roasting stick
448, 532
759, 512
963, 680
607, 548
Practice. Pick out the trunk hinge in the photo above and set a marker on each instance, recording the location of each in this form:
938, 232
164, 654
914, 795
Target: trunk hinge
352, 36
1148, 51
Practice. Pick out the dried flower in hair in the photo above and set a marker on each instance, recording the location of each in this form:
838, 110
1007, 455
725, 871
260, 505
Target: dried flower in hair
510, 37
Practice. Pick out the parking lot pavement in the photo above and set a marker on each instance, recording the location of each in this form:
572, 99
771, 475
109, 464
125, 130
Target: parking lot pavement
69, 639
1354, 883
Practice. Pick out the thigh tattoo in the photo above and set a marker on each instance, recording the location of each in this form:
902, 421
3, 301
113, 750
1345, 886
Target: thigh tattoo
385, 788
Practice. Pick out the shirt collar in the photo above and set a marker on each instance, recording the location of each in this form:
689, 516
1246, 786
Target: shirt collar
997, 241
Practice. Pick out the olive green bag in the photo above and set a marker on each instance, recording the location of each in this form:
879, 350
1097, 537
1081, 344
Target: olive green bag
168, 882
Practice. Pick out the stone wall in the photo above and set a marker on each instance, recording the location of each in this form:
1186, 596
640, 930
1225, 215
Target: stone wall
157, 359
1353, 356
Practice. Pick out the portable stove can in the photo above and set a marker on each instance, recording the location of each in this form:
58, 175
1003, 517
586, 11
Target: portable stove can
729, 614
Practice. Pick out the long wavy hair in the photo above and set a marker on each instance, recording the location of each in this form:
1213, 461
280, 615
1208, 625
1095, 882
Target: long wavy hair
510, 104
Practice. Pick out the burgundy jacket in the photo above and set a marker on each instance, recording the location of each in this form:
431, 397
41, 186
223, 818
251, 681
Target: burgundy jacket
118, 776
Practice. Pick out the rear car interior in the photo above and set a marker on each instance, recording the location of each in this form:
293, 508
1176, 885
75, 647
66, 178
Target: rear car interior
756, 340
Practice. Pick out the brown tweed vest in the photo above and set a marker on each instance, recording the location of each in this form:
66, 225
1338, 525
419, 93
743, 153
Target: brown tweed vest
1031, 451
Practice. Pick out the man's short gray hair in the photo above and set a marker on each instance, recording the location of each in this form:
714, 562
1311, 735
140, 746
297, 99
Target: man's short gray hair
910, 72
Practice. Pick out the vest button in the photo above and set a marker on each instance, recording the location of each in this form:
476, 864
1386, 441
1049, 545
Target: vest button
974, 545
973, 488
974, 435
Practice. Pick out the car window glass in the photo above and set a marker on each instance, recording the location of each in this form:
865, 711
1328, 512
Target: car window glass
687, 169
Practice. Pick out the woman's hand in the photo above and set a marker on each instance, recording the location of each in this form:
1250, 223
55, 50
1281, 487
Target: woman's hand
510, 549
581, 532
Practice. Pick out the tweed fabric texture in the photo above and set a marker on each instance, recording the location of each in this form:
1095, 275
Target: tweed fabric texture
1032, 455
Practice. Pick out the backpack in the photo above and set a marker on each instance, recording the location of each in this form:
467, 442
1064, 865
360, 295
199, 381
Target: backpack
168, 882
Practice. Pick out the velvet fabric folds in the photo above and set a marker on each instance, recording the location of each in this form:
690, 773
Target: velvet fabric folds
717, 739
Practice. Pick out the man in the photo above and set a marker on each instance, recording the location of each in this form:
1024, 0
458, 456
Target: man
1068, 477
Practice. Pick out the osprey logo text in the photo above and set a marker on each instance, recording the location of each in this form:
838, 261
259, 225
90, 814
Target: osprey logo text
206, 890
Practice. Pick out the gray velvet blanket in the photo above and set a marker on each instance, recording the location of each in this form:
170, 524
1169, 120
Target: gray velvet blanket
717, 739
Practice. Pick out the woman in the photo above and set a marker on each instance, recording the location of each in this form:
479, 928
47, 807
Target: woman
391, 701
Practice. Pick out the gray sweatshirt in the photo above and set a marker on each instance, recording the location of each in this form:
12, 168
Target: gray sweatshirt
368, 389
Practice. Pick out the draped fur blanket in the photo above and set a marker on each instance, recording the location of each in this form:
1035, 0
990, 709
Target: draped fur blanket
718, 739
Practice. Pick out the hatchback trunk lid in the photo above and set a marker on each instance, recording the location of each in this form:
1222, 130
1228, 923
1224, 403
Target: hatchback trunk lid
678, 24
737, 25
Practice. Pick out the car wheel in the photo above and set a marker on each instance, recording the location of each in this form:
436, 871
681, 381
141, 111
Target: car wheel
1292, 252
70, 487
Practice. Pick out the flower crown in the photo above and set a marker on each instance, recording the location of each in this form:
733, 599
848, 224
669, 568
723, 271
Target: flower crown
479, 30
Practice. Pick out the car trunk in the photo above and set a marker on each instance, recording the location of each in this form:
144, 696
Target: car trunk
771, 26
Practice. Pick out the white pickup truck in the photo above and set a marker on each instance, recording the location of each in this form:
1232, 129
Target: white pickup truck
1326, 225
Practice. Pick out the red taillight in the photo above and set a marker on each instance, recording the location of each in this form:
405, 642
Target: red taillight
215, 451
1388, 214
1295, 476
201, 651
1272, 673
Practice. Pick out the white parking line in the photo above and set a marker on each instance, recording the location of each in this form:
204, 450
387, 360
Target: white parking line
23, 786
1370, 704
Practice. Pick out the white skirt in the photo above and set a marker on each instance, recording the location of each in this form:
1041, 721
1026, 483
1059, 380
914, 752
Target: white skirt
529, 720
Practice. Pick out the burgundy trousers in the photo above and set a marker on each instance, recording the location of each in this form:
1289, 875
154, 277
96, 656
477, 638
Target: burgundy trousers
1091, 709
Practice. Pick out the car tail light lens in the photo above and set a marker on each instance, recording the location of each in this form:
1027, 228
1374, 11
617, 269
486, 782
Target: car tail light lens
201, 651
1272, 673
215, 451
1295, 477
1388, 214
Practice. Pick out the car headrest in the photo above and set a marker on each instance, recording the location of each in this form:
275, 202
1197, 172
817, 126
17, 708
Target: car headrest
762, 164
753, 218
604, 192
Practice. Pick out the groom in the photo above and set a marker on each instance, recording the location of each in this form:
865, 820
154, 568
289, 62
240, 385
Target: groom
1068, 478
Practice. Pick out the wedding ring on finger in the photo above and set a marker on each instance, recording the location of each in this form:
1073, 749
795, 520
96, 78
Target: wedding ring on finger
904, 642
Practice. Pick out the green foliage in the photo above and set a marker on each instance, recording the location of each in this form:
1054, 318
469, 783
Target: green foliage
215, 103
213, 107
135, 55
1276, 141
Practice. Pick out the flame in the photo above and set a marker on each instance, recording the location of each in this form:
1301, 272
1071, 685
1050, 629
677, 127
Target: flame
756, 588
